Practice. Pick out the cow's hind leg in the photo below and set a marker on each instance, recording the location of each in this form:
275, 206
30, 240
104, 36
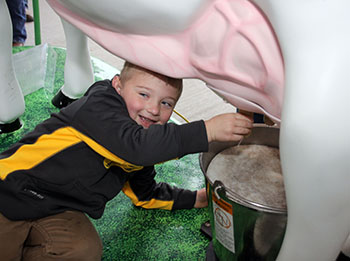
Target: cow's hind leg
78, 72
315, 140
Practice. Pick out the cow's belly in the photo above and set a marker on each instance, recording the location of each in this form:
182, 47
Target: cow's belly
138, 16
226, 43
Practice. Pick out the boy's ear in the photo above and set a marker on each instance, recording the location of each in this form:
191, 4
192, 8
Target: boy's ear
116, 83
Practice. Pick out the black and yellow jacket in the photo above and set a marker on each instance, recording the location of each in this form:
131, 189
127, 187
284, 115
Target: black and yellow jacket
87, 153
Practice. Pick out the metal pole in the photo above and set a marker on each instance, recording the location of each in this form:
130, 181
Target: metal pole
36, 22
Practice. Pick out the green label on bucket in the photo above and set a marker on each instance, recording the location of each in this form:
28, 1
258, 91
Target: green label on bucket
223, 218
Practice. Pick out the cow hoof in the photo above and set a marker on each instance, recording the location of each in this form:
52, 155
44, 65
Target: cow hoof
10, 127
60, 100
342, 257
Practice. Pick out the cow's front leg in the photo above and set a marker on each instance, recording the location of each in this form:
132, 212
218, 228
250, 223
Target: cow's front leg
315, 140
78, 72
11, 97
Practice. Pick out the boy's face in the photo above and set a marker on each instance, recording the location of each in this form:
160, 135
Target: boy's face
149, 99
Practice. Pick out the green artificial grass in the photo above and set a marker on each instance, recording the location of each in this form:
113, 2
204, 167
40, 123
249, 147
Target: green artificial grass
128, 232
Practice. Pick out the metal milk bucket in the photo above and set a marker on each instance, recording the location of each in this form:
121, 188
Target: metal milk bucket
244, 229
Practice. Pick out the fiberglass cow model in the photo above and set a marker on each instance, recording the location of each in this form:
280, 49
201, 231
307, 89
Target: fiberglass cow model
236, 47
11, 97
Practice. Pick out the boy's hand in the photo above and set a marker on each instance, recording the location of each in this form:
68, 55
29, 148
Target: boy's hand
201, 199
228, 127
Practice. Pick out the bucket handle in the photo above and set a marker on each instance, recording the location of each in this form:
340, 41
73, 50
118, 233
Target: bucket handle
218, 186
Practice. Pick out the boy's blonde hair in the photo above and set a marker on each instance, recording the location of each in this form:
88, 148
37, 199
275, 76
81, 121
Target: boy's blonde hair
129, 69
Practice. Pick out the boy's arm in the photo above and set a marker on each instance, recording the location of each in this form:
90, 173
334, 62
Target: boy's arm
145, 192
102, 116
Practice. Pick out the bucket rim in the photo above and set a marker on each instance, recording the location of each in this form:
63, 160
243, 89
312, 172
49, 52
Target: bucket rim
236, 198
258, 132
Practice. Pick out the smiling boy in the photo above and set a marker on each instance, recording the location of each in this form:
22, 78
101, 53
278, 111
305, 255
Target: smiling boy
82, 157
150, 97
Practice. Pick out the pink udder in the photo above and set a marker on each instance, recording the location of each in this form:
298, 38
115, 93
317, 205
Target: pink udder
231, 47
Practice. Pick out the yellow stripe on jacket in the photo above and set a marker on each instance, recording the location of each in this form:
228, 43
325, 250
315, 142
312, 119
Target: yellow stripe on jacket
47, 145
153, 203
30, 155
111, 159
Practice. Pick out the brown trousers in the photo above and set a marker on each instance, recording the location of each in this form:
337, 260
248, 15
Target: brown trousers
66, 236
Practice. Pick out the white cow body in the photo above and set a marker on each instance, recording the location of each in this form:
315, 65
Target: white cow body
236, 47
11, 97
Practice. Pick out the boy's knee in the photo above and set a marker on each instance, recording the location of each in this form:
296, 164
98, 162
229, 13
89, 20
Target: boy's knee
85, 242
87, 248
66, 236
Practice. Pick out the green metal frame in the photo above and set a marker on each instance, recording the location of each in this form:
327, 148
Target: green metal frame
36, 17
